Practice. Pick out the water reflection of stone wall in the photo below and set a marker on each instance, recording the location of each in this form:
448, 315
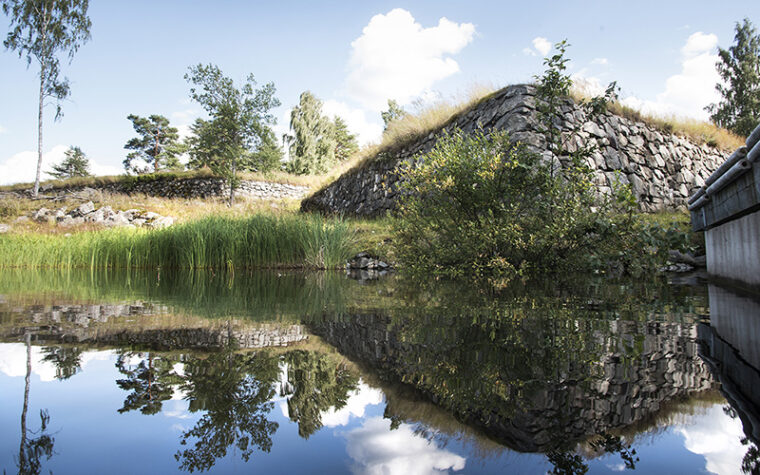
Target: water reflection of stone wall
624, 374
115, 325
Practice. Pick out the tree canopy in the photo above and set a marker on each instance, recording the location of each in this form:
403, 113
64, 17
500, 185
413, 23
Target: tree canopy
157, 145
312, 143
41, 30
394, 112
239, 129
74, 164
739, 69
345, 142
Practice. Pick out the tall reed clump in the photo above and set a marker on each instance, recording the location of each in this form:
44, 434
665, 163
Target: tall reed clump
258, 241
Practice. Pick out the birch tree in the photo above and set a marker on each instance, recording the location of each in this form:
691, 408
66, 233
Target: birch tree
42, 30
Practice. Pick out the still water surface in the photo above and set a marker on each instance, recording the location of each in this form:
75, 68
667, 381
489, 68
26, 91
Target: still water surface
146, 372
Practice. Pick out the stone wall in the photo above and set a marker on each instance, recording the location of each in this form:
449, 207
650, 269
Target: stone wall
663, 169
116, 325
193, 187
525, 407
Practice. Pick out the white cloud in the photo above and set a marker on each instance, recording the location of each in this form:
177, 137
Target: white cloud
376, 449
699, 43
687, 93
542, 45
599, 61
357, 402
396, 58
587, 85
529, 52
22, 167
717, 437
13, 362
356, 119
3, 130
182, 120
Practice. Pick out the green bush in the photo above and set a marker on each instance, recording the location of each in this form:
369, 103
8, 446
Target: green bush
480, 206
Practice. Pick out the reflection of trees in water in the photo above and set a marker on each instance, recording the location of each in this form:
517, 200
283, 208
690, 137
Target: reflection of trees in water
751, 460
235, 390
67, 360
567, 462
34, 444
316, 383
150, 381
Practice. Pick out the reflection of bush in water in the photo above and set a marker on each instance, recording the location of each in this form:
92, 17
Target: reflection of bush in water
316, 383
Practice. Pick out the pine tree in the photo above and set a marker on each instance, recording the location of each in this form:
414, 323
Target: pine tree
158, 144
74, 164
739, 68
345, 142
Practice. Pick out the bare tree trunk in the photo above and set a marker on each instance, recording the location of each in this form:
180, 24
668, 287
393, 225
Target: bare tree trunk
21, 451
232, 182
155, 156
39, 131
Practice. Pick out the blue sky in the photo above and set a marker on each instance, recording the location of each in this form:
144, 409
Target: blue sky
354, 55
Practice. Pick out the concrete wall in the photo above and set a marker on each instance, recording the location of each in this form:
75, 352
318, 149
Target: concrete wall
733, 249
730, 345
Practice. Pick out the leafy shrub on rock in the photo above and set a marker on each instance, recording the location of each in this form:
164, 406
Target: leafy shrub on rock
481, 206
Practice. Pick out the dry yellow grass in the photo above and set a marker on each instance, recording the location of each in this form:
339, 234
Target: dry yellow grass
425, 118
697, 131
422, 120
180, 208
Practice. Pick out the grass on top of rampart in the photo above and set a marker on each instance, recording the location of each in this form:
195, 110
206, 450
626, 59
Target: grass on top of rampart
258, 241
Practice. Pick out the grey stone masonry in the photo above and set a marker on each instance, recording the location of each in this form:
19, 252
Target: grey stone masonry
192, 187
663, 169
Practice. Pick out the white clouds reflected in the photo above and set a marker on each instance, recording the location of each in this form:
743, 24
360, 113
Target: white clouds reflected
375, 449
13, 361
717, 437
356, 404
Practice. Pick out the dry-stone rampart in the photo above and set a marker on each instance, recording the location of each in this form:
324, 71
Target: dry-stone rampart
191, 187
661, 168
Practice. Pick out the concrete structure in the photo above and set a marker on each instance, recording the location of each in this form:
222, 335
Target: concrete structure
730, 345
727, 208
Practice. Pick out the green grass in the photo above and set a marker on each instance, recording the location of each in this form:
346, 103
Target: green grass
258, 241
